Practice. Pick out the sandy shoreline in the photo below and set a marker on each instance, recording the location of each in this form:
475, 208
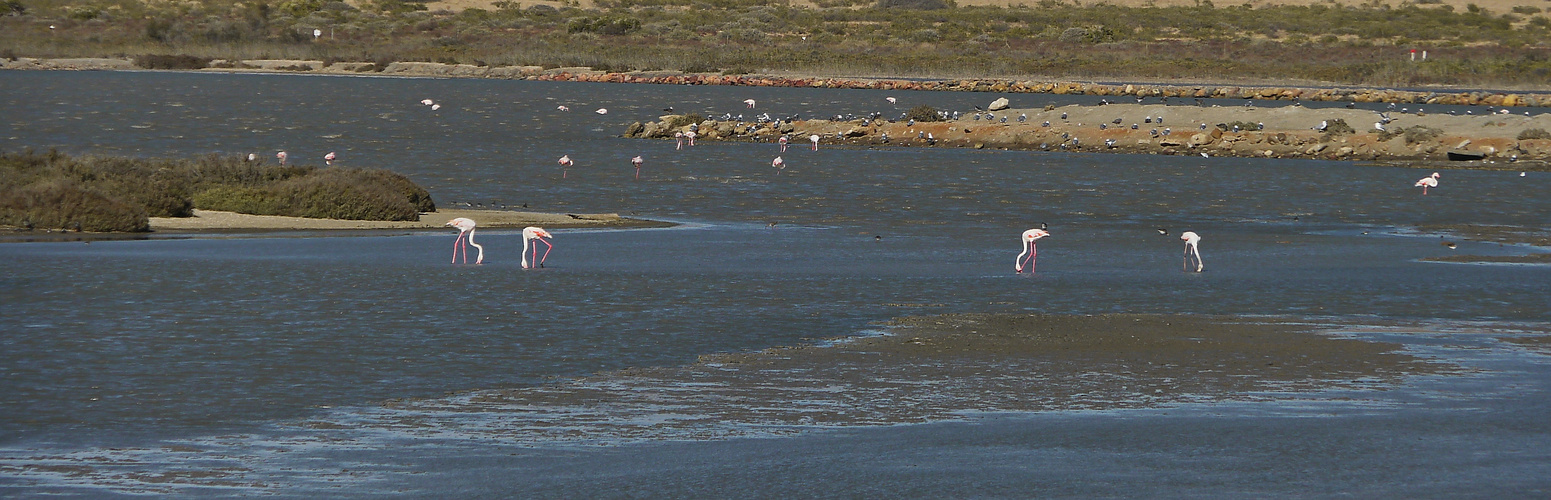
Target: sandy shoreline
217, 222
1412, 136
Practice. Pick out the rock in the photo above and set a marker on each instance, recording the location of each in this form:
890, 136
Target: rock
855, 133
1171, 142
1200, 139
1316, 148
1462, 144
999, 104
635, 129
1345, 150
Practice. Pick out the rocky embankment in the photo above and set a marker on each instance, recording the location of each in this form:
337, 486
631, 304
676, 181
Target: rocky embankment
1004, 86
1506, 141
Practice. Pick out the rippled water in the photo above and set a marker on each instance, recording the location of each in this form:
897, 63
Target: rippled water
131, 343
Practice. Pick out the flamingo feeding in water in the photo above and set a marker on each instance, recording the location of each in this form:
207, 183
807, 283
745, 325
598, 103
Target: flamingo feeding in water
281, 155
815, 139
328, 159
779, 164
637, 162
689, 135
1430, 181
427, 102
1028, 249
602, 111
465, 227
782, 140
531, 233
679, 136
891, 100
1192, 250
749, 102
565, 165
562, 107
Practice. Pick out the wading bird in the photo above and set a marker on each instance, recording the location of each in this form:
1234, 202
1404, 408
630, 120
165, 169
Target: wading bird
531, 233
1028, 249
1191, 240
562, 107
328, 159
602, 111
782, 140
281, 155
427, 102
749, 102
565, 165
465, 228
1430, 181
679, 136
891, 100
690, 136
779, 164
637, 162
815, 139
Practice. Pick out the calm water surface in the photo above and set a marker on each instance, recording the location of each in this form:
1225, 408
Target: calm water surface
133, 343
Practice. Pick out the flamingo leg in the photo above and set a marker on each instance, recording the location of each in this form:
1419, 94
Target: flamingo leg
455, 247
546, 251
1033, 257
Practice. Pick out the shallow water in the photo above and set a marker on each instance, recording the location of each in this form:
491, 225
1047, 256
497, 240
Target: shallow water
134, 344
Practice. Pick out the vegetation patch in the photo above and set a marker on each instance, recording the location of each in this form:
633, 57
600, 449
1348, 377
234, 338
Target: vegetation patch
170, 61
91, 193
1534, 133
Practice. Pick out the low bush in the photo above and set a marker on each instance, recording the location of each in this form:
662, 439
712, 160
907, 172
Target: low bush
924, 113
53, 190
1534, 133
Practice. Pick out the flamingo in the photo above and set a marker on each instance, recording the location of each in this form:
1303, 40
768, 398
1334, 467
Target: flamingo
783, 143
427, 102
749, 102
1028, 249
1427, 182
891, 100
1191, 240
690, 136
562, 107
535, 233
602, 111
252, 157
328, 159
779, 164
637, 162
679, 136
281, 155
565, 165
815, 139
435, 107
465, 226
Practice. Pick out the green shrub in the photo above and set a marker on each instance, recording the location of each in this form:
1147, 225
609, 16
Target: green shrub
1338, 127
61, 204
1534, 133
924, 113
677, 121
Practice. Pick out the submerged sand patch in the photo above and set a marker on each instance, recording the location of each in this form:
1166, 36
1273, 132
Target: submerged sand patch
927, 369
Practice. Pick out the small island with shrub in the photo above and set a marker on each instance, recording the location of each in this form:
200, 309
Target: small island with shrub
55, 191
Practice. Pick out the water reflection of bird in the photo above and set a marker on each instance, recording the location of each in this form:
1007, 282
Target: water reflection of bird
465, 237
1430, 181
1028, 249
1191, 240
531, 233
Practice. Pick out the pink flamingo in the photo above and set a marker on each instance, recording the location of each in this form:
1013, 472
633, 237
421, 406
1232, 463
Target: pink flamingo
891, 100
637, 162
565, 165
1028, 249
535, 233
815, 139
779, 164
328, 159
427, 102
1191, 240
690, 136
1427, 182
465, 226
435, 107
749, 102
281, 155
783, 143
679, 136
602, 111
562, 107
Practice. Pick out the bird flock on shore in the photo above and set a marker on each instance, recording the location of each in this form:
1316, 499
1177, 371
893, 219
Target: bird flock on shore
533, 236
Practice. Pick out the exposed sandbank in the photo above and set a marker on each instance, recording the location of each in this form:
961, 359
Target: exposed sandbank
215, 222
1179, 127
